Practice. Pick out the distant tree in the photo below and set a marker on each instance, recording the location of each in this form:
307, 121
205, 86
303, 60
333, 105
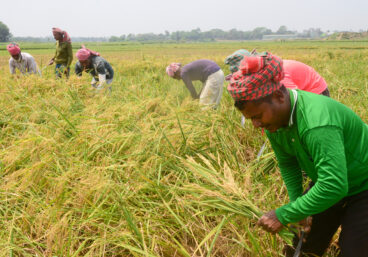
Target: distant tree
130, 37
175, 36
217, 33
282, 30
258, 33
4, 33
311, 33
196, 35
114, 39
316, 33
193, 35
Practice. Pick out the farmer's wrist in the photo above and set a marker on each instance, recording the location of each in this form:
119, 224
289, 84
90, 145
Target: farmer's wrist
280, 216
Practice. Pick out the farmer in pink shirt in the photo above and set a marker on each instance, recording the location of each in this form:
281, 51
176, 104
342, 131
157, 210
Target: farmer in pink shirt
297, 74
301, 76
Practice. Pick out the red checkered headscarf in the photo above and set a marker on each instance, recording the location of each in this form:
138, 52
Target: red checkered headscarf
258, 76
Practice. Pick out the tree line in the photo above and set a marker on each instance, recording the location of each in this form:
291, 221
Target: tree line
218, 34
177, 36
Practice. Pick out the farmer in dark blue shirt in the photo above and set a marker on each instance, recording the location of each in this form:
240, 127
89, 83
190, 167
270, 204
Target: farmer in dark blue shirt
206, 71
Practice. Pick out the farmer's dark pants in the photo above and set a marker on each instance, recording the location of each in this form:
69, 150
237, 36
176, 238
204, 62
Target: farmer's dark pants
351, 213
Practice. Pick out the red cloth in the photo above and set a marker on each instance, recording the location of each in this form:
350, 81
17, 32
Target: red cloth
13, 49
172, 68
63, 33
84, 53
251, 64
258, 84
301, 76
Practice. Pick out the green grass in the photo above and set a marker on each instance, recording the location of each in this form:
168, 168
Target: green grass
145, 172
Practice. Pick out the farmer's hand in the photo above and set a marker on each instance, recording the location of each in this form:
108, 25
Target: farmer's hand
228, 77
51, 61
66, 71
270, 223
306, 224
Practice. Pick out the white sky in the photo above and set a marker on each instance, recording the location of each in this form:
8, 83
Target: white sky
116, 17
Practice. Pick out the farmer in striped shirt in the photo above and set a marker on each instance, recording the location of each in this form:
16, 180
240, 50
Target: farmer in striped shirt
320, 136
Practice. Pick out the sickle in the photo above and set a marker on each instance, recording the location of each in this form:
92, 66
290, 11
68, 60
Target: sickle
299, 246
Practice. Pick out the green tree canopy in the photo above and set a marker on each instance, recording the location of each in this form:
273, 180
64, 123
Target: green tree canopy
4, 33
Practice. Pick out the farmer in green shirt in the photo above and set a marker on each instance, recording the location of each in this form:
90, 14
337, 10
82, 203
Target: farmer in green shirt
63, 55
323, 138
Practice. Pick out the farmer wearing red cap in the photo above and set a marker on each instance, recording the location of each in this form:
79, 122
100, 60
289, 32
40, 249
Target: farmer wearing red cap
91, 62
320, 136
206, 71
22, 61
63, 54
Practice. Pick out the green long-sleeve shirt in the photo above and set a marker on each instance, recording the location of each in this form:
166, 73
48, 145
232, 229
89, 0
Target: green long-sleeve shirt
329, 142
63, 53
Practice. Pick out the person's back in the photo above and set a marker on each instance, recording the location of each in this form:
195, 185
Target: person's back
199, 70
301, 76
206, 71
101, 66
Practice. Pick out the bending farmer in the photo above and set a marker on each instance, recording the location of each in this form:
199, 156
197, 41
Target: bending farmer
91, 62
208, 72
24, 62
325, 139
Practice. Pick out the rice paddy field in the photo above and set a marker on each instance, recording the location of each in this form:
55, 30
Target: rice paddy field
145, 171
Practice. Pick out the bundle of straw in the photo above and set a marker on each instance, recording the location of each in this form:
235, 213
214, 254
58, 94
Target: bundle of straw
217, 189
